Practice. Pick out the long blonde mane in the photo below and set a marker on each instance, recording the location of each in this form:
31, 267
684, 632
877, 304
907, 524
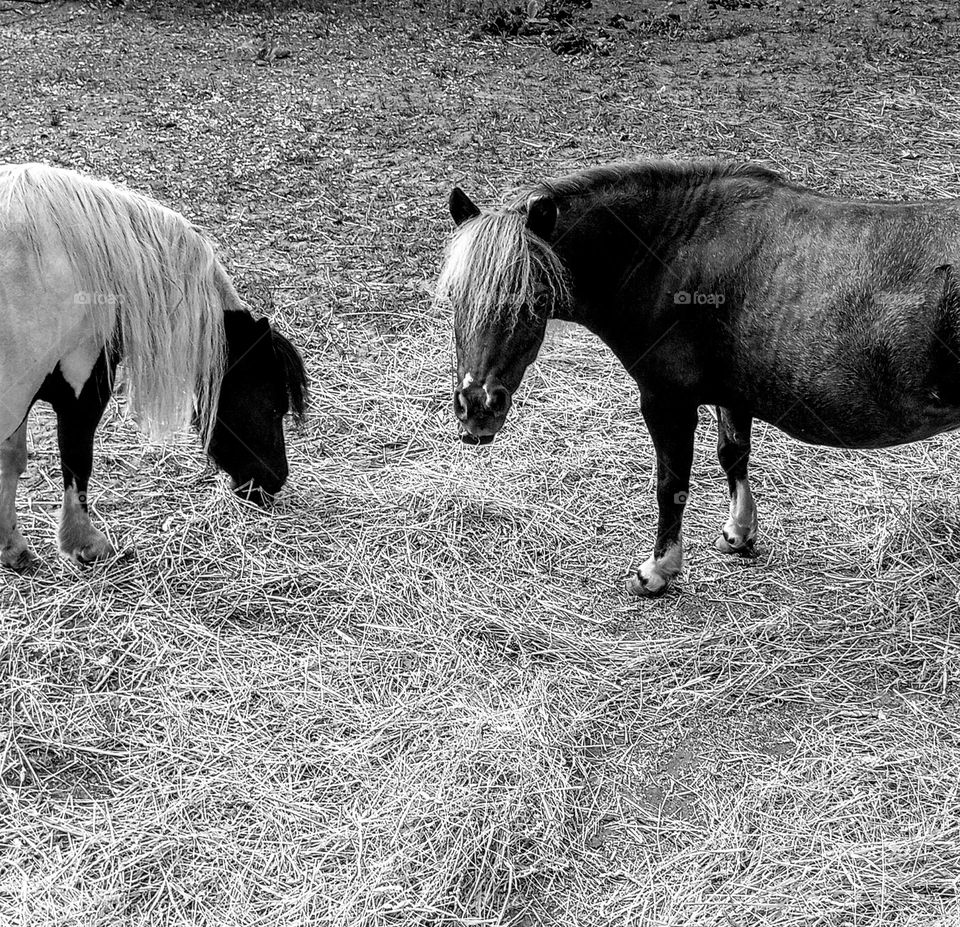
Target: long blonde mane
496, 269
152, 283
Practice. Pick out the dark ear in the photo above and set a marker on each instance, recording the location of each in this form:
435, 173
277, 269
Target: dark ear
261, 329
462, 207
541, 215
243, 332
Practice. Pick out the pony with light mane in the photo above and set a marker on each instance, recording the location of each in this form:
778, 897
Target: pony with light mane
92, 275
837, 321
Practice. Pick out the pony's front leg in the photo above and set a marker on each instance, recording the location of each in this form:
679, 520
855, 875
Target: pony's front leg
672, 426
14, 552
739, 534
77, 420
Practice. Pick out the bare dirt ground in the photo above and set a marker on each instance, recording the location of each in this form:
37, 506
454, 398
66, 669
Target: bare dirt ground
415, 692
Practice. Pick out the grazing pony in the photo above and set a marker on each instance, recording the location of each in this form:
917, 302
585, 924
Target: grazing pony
92, 275
836, 320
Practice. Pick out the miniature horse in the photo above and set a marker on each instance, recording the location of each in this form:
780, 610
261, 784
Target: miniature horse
92, 275
837, 321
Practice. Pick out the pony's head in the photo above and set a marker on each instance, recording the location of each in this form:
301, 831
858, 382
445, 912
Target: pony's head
504, 282
264, 379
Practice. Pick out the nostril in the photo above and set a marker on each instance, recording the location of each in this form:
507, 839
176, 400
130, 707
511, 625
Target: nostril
497, 399
460, 407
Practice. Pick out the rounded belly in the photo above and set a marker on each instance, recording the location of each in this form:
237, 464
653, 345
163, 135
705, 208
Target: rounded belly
860, 425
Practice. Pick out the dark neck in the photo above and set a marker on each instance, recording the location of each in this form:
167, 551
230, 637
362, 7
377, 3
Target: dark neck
627, 252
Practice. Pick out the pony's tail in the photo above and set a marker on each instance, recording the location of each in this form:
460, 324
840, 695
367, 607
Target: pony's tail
152, 284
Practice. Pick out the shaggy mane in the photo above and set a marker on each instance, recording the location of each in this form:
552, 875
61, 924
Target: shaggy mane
636, 175
496, 268
152, 282
294, 372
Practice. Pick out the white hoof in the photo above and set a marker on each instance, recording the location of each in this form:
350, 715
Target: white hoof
738, 538
16, 555
654, 575
89, 549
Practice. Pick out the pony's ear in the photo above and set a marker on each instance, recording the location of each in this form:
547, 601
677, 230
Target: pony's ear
541, 215
462, 207
262, 329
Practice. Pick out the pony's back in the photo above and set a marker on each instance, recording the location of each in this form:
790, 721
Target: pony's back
151, 284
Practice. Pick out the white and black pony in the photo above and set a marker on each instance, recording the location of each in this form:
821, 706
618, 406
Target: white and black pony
836, 320
92, 275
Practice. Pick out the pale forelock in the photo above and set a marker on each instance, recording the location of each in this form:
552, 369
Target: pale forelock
496, 269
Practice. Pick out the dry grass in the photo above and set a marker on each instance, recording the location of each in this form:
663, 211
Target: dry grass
415, 692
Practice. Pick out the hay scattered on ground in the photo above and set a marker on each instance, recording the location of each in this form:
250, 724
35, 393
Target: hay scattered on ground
415, 691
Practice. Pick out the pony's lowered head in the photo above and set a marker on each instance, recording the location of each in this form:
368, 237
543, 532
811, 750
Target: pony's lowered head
264, 379
503, 282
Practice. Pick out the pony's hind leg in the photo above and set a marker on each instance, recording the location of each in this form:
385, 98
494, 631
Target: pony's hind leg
14, 552
672, 426
739, 534
77, 420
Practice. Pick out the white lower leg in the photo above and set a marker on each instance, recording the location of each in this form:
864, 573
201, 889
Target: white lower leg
79, 539
655, 573
740, 531
14, 552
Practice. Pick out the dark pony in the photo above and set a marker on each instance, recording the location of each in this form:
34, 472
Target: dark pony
91, 276
837, 321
